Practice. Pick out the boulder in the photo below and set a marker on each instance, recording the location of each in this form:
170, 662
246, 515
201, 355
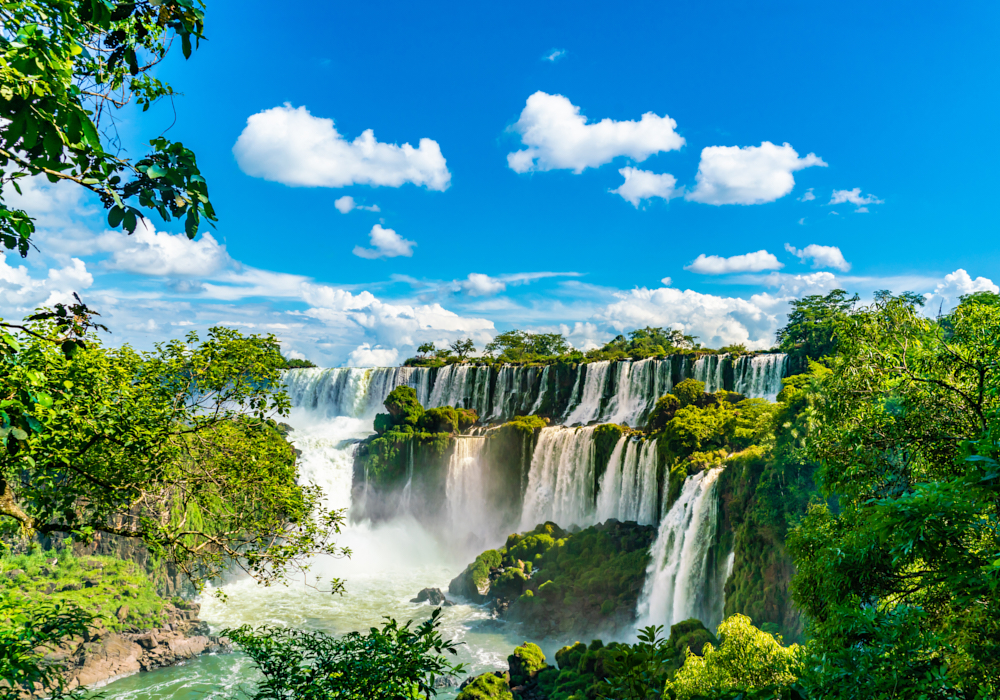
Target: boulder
488, 686
434, 596
525, 664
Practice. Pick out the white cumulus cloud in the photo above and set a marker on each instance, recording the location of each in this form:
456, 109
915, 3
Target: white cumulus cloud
20, 291
854, 197
554, 55
645, 184
367, 356
558, 137
289, 145
808, 196
749, 175
750, 262
158, 254
386, 243
821, 256
346, 204
947, 294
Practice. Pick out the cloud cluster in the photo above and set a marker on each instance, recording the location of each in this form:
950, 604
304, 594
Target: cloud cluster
750, 262
749, 175
289, 145
644, 184
558, 137
386, 243
821, 256
346, 204
367, 356
21, 292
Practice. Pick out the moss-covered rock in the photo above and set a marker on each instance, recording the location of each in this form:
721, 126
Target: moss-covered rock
474, 582
525, 664
577, 582
489, 686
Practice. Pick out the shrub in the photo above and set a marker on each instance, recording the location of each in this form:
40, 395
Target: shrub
747, 659
689, 392
489, 686
403, 406
666, 407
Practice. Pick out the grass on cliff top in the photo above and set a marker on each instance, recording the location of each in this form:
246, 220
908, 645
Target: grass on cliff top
98, 585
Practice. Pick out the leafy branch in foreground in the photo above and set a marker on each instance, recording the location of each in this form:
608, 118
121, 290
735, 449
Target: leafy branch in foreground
394, 662
26, 634
66, 68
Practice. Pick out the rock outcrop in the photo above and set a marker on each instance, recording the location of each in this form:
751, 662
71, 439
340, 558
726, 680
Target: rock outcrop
434, 596
105, 655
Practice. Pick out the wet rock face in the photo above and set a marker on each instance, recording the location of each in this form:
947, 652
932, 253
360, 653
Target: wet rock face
434, 596
103, 655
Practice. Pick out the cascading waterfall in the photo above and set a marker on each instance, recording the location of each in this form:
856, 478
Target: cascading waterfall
561, 479
594, 381
543, 388
628, 488
678, 584
708, 369
465, 488
760, 376
352, 391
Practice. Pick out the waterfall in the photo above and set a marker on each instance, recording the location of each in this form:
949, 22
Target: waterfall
678, 577
465, 489
594, 381
628, 488
543, 388
561, 479
636, 387
760, 376
708, 369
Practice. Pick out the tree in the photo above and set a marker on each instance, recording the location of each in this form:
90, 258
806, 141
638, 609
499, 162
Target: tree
395, 662
746, 660
810, 333
518, 346
901, 579
462, 348
176, 448
66, 69
426, 349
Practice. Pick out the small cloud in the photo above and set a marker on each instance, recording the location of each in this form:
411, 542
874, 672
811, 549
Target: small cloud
554, 55
478, 285
347, 203
834, 213
367, 356
808, 196
821, 256
666, 281
854, 197
644, 184
751, 262
861, 210
947, 293
802, 221
386, 244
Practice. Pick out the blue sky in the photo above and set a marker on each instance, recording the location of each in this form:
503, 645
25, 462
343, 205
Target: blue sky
891, 105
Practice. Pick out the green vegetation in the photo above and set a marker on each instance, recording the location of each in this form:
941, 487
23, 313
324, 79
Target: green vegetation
525, 663
175, 448
67, 69
396, 661
746, 660
901, 581
99, 586
26, 635
561, 582
295, 363
488, 686
811, 330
